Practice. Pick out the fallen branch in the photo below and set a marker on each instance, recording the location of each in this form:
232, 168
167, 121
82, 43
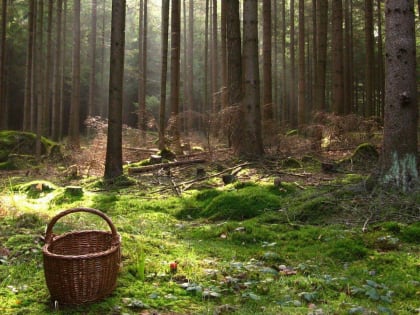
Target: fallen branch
142, 169
190, 182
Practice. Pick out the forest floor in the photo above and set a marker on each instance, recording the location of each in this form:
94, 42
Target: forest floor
298, 232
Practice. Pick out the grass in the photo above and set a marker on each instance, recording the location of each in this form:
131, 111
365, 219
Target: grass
245, 248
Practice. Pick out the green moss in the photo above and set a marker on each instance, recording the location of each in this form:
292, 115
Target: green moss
8, 166
315, 210
347, 250
411, 233
291, 163
241, 204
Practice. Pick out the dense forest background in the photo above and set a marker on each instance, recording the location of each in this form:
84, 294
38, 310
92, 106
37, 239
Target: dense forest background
293, 43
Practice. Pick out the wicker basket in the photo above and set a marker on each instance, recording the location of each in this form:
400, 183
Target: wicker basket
82, 266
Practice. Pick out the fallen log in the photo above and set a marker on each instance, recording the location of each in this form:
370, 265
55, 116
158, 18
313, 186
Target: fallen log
142, 169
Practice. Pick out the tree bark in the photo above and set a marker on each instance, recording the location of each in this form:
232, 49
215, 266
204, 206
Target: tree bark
251, 122
74, 135
302, 66
92, 74
234, 70
175, 72
29, 65
3, 105
113, 162
399, 156
369, 108
190, 65
337, 57
322, 30
163, 75
142, 121
292, 81
55, 115
267, 64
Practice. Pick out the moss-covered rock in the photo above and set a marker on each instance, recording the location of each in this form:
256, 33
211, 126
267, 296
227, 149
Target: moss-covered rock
18, 147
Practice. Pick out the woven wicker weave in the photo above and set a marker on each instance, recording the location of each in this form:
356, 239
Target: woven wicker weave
82, 266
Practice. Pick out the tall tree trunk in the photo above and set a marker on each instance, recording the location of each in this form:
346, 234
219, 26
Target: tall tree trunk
29, 65
74, 140
347, 64
400, 156
49, 78
223, 53
380, 62
302, 66
92, 74
251, 121
337, 57
322, 30
369, 108
214, 59
113, 162
103, 110
142, 121
175, 71
40, 79
267, 64
190, 65
275, 31
55, 115
234, 73
206, 61
314, 54
163, 76
184, 105
3, 105
284, 89
292, 87
63, 70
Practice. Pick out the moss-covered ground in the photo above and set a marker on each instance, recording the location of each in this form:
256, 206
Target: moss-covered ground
257, 246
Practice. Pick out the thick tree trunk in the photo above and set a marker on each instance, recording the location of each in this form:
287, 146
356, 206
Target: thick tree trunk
251, 122
234, 70
113, 162
399, 158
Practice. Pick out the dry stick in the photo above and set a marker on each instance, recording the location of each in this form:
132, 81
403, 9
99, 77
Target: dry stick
205, 177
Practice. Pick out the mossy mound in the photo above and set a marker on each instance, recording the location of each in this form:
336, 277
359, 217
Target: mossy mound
364, 156
17, 149
36, 189
240, 204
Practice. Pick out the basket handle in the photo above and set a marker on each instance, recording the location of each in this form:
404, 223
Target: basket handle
49, 235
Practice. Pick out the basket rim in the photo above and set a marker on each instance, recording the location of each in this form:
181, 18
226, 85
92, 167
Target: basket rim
115, 245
